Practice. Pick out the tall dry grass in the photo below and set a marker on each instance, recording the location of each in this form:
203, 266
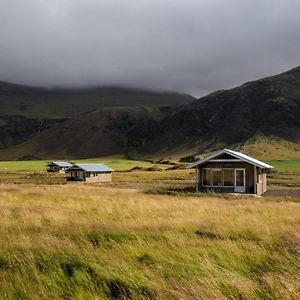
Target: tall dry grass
85, 242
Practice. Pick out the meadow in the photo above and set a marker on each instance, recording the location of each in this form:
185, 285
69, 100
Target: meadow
95, 242
40, 165
146, 235
121, 164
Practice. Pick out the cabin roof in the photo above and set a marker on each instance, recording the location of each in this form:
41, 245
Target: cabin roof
235, 154
63, 164
91, 167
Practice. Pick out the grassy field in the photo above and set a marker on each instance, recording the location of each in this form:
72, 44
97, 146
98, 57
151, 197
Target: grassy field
146, 235
40, 165
95, 242
286, 165
291, 166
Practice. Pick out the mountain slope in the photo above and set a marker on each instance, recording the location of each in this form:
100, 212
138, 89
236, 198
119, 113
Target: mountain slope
258, 115
69, 103
269, 107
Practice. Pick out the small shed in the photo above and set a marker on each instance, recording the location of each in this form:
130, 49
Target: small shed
58, 166
231, 171
90, 173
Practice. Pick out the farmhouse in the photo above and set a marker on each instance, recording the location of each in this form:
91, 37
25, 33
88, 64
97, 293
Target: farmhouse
90, 173
231, 171
58, 166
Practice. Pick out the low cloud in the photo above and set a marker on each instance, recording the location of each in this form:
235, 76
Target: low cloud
187, 46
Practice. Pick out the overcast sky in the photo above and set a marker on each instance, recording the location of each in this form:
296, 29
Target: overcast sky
194, 46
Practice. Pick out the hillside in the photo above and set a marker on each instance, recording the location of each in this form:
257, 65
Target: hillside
269, 107
26, 111
261, 117
49, 103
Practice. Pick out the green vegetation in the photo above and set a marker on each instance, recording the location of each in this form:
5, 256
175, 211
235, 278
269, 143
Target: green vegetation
94, 242
286, 165
40, 165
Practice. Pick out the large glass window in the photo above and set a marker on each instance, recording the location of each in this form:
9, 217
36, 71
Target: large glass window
228, 177
217, 177
206, 177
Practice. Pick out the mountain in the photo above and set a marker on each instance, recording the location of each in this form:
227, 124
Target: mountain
269, 107
261, 116
32, 102
25, 111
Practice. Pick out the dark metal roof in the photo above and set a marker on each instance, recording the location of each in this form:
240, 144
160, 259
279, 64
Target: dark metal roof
235, 154
91, 167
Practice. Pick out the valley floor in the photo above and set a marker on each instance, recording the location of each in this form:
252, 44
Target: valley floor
145, 236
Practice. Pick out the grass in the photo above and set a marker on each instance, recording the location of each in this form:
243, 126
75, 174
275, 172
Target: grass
291, 166
95, 242
286, 165
40, 165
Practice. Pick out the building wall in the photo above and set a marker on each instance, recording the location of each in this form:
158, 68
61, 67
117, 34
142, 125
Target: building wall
90, 176
261, 181
102, 177
249, 173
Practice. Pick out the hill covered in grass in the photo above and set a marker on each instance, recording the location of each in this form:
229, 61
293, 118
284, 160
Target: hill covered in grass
268, 108
27, 111
260, 117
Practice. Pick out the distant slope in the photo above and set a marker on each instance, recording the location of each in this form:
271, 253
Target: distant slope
69, 103
26, 111
269, 107
89, 135
261, 117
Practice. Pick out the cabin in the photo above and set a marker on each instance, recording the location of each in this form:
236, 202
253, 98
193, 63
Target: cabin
229, 171
89, 173
58, 166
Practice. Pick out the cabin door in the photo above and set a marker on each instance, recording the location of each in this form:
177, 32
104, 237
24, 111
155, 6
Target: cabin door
239, 181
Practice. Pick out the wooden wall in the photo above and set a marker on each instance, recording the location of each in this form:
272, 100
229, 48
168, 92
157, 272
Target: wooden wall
249, 173
102, 177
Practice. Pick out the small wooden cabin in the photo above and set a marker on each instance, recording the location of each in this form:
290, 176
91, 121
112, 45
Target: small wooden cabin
90, 173
231, 171
58, 166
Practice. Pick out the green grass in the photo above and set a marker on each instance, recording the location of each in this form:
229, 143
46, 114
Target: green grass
92, 242
285, 165
40, 165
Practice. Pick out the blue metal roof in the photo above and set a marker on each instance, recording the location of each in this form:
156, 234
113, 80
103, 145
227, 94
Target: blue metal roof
235, 154
62, 164
92, 167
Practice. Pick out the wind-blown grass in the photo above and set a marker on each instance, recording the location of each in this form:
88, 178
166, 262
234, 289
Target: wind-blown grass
86, 242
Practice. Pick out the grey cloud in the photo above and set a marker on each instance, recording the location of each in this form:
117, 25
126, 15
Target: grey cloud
194, 46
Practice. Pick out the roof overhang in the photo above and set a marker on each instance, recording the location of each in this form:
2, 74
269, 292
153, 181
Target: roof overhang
237, 155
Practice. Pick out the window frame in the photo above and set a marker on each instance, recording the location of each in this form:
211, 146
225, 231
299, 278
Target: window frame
244, 174
233, 172
210, 177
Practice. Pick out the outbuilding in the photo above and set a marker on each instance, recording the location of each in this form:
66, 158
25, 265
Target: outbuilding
90, 173
231, 171
58, 166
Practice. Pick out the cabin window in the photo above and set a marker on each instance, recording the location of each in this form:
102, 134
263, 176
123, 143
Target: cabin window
217, 177
228, 177
206, 177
